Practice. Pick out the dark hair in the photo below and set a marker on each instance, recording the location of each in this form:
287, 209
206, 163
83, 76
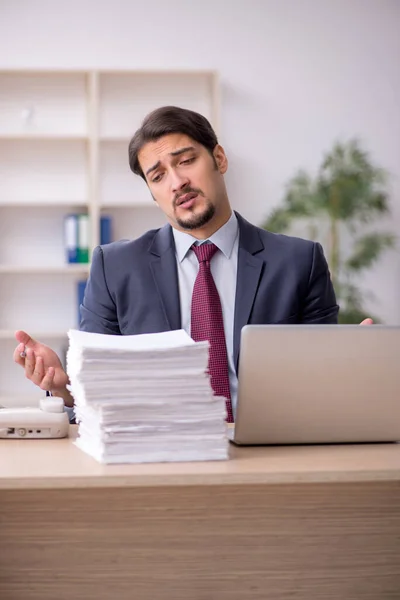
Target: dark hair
166, 120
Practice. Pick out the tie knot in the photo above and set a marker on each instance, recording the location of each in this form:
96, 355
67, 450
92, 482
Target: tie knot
204, 252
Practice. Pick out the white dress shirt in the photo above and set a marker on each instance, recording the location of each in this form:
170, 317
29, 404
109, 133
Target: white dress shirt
224, 272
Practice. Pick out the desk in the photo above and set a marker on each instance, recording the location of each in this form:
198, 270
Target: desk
298, 523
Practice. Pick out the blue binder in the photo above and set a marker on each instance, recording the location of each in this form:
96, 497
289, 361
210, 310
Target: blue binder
71, 241
81, 286
105, 230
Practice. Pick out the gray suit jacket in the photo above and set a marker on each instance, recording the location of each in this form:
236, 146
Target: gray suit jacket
133, 285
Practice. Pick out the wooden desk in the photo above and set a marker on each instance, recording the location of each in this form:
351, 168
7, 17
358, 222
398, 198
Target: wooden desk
279, 523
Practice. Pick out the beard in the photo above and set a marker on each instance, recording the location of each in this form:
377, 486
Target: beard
192, 220
196, 221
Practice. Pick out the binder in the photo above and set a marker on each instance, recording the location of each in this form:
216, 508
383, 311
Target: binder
83, 238
71, 238
81, 286
105, 230
77, 234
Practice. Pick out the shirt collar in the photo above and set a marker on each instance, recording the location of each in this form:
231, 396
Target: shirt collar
224, 239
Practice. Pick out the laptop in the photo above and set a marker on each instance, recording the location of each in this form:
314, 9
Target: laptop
318, 384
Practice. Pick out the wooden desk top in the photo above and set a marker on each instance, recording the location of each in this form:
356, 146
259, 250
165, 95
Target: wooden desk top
32, 464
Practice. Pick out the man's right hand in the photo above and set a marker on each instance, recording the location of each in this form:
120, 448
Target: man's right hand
42, 366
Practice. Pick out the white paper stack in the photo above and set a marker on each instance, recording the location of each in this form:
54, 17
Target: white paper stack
145, 398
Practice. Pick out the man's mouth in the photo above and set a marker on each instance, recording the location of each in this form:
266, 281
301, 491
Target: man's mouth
186, 199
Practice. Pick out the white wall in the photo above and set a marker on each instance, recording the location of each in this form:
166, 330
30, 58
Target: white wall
296, 75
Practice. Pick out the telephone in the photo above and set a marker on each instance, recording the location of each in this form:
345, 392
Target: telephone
48, 421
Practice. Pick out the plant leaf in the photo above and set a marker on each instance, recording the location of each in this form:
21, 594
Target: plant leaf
300, 197
350, 185
299, 202
278, 221
368, 248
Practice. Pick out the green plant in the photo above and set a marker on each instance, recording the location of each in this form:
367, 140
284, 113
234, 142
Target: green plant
347, 195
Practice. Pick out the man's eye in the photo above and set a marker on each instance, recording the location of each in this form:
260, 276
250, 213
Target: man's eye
187, 161
156, 178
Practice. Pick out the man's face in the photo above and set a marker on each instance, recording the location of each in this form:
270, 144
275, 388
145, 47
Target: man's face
185, 180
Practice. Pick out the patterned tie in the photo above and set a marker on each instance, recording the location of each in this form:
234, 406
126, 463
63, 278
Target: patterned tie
207, 323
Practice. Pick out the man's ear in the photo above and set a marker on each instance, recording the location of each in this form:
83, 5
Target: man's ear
220, 159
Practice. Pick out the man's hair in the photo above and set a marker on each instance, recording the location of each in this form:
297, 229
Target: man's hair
167, 120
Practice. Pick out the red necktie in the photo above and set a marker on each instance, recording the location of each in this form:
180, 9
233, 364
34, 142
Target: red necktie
207, 324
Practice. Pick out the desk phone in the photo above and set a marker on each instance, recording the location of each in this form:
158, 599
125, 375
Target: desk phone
49, 420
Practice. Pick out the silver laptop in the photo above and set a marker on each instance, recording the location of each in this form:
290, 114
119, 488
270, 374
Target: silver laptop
316, 384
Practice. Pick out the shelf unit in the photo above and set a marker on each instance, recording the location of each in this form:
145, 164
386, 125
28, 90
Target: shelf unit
64, 139
50, 270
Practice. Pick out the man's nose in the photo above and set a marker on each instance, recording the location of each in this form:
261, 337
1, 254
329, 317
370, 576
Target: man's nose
178, 182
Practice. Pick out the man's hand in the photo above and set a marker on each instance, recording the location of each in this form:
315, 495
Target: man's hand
367, 322
42, 366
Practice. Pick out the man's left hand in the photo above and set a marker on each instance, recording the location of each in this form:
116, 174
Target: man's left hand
367, 322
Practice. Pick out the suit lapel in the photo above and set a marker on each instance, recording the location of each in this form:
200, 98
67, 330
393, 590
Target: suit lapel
249, 271
163, 267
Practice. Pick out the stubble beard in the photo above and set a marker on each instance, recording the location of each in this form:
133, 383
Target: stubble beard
196, 221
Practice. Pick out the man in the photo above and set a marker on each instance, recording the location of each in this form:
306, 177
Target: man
208, 271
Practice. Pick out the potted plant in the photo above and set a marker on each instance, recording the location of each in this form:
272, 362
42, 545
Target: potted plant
338, 207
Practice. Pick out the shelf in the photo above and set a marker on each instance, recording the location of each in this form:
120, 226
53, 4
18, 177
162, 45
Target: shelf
35, 106
116, 180
60, 204
128, 204
126, 97
117, 139
158, 72
49, 171
50, 270
8, 334
43, 137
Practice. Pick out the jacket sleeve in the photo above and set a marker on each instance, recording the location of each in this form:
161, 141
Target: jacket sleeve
98, 310
320, 305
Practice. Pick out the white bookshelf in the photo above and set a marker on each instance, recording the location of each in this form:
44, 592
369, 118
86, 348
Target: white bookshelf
64, 139
46, 270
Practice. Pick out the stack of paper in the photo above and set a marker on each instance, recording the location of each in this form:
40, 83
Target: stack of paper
145, 398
